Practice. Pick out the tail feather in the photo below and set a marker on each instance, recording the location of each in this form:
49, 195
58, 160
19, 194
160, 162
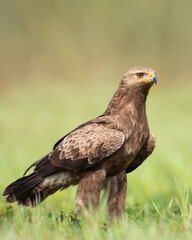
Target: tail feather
21, 190
19, 182
45, 180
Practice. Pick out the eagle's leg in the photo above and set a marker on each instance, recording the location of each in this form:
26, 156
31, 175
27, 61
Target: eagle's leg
117, 188
89, 189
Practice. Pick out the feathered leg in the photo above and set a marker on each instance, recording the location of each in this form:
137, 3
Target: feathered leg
117, 187
89, 189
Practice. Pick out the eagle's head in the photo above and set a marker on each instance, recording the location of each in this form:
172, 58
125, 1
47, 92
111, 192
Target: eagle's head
140, 76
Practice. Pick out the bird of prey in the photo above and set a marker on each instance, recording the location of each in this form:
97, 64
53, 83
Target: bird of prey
98, 154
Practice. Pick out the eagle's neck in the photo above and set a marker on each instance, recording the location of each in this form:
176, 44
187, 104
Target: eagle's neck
128, 99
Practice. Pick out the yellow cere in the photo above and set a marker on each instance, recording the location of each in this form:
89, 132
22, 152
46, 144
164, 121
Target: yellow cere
151, 75
148, 79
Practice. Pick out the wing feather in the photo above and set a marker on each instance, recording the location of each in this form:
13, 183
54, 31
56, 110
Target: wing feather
86, 146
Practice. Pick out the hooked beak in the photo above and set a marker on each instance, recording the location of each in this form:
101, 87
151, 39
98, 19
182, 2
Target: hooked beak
154, 79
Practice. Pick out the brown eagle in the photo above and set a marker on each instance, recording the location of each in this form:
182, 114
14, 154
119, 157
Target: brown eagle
98, 153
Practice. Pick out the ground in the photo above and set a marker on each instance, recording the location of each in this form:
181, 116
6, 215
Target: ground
158, 203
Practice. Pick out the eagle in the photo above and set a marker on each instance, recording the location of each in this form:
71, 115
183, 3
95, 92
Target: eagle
97, 154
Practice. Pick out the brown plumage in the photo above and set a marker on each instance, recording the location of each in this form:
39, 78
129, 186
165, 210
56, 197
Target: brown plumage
98, 153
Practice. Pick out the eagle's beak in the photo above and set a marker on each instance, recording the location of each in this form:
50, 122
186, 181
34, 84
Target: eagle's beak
154, 79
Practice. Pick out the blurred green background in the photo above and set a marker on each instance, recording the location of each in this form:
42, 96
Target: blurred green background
87, 41
60, 63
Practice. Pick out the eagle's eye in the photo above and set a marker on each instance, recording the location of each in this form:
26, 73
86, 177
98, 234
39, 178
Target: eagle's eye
140, 75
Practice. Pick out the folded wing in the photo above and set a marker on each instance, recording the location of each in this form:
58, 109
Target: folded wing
86, 146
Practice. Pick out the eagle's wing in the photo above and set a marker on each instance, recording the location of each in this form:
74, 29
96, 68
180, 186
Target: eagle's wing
86, 146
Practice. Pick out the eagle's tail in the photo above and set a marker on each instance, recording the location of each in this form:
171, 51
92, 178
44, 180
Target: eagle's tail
33, 189
22, 190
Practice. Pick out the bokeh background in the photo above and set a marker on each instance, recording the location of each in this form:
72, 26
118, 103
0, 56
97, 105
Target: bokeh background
60, 63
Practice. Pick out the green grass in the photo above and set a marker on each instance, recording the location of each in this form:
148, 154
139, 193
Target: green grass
158, 203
